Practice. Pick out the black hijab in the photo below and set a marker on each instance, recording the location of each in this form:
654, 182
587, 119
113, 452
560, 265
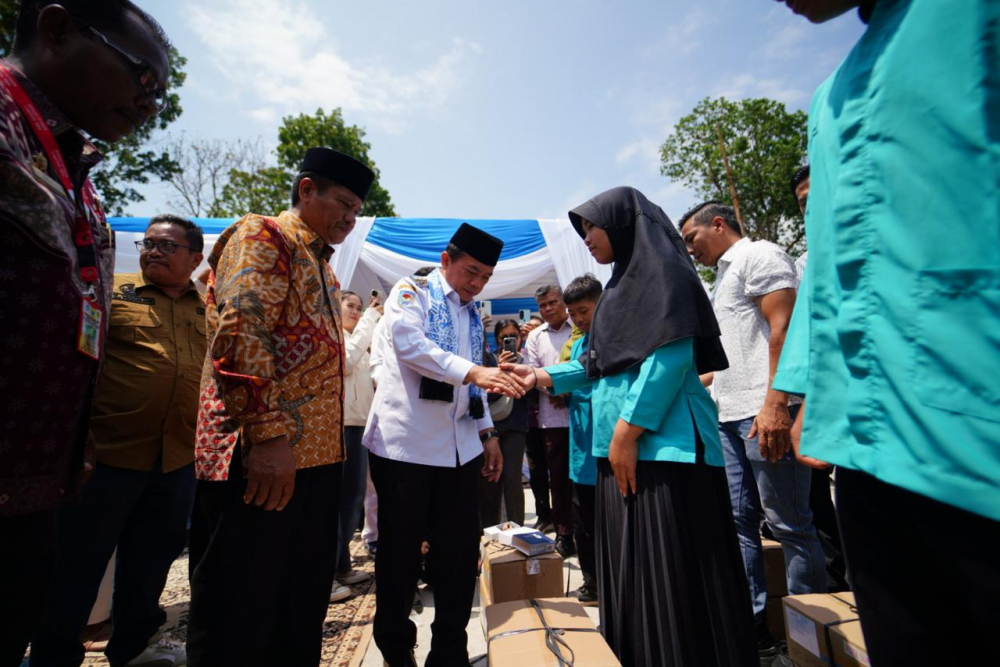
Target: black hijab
654, 296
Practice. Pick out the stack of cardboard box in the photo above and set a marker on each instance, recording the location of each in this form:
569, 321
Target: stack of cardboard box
824, 630
777, 587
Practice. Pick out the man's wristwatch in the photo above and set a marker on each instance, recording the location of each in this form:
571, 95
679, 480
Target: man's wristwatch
488, 435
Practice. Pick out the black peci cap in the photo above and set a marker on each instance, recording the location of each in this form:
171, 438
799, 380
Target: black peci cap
479, 245
340, 168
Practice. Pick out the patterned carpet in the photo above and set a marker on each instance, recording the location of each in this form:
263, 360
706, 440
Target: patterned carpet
346, 632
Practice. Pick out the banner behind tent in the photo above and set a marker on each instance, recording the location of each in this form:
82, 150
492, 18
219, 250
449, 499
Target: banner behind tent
382, 250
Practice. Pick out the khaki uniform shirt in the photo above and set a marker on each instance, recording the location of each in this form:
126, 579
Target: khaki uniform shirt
147, 397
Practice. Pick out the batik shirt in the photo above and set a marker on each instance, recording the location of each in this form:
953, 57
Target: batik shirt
46, 385
275, 363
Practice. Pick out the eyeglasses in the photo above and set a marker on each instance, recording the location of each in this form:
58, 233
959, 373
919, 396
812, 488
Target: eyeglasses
164, 246
145, 72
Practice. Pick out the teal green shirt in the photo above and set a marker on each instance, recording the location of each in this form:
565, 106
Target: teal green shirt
662, 395
895, 340
582, 464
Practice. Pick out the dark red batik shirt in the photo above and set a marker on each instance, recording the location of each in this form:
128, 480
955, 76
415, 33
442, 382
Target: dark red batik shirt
46, 384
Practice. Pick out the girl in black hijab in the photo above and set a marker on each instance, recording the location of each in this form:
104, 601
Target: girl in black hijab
670, 579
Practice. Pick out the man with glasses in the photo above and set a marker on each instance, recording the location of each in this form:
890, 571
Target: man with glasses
63, 82
143, 423
270, 446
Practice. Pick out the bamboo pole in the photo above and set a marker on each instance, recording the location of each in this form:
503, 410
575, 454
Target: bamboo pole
729, 179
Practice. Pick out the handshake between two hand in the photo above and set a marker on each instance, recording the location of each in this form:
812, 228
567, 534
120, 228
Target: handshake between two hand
512, 380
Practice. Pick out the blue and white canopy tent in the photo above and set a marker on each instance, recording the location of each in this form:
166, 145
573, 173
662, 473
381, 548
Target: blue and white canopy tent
382, 250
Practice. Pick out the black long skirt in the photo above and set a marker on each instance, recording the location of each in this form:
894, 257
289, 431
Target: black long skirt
672, 586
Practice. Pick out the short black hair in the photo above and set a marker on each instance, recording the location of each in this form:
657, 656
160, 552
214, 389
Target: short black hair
503, 324
585, 288
454, 252
536, 317
192, 232
545, 289
424, 271
707, 211
801, 174
322, 184
110, 15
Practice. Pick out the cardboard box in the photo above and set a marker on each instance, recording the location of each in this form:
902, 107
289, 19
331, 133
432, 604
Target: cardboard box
847, 644
510, 575
809, 620
516, 636
774, 569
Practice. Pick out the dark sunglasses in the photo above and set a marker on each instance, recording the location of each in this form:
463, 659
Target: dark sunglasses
144, 71
165, 247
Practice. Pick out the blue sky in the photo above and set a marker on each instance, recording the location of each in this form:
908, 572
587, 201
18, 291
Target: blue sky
492, 109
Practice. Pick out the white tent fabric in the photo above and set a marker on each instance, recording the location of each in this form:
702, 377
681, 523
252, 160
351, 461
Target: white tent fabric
568, 254
362, 267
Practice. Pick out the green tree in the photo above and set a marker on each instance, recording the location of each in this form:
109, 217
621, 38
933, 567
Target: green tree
766, 144
133, 160
264, 190
268, 189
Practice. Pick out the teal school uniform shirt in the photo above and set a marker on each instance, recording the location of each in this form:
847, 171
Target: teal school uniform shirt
895, 340
582, 463
662, 395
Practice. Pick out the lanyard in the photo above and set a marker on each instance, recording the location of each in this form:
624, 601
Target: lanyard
82, 235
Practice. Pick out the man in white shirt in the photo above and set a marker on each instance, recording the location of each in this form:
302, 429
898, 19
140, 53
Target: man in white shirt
430, 437
753, 298
543, 348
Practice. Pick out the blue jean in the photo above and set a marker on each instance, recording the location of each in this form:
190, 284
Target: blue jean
352, 493
145, 514
779, 492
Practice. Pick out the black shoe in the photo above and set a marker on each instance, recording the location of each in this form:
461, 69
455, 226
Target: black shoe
409, 660
767, 648
371, 548
544, 525
565, 546
585, 595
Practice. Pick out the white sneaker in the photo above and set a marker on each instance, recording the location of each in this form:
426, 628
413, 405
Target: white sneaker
352, 577
161, 656
340, 592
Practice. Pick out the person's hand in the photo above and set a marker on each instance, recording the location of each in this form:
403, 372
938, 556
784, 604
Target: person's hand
796, 434
496, 381
507, 357
493, 460
623, 453
377, 304
86, 467
772, 427
272, 474
487, 322
522, 373
527, 328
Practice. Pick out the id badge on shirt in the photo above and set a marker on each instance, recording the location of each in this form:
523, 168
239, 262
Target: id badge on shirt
89, 337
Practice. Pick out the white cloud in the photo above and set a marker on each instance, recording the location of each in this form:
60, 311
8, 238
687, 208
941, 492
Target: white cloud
645, 150
749, 85
281, 59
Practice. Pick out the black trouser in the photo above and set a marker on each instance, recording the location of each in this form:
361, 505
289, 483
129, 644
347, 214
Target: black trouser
508, 488
538, 473
825, 522
926, 575
584, 528
260, 593
27, 561
557, 459
413, 501
144, 513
